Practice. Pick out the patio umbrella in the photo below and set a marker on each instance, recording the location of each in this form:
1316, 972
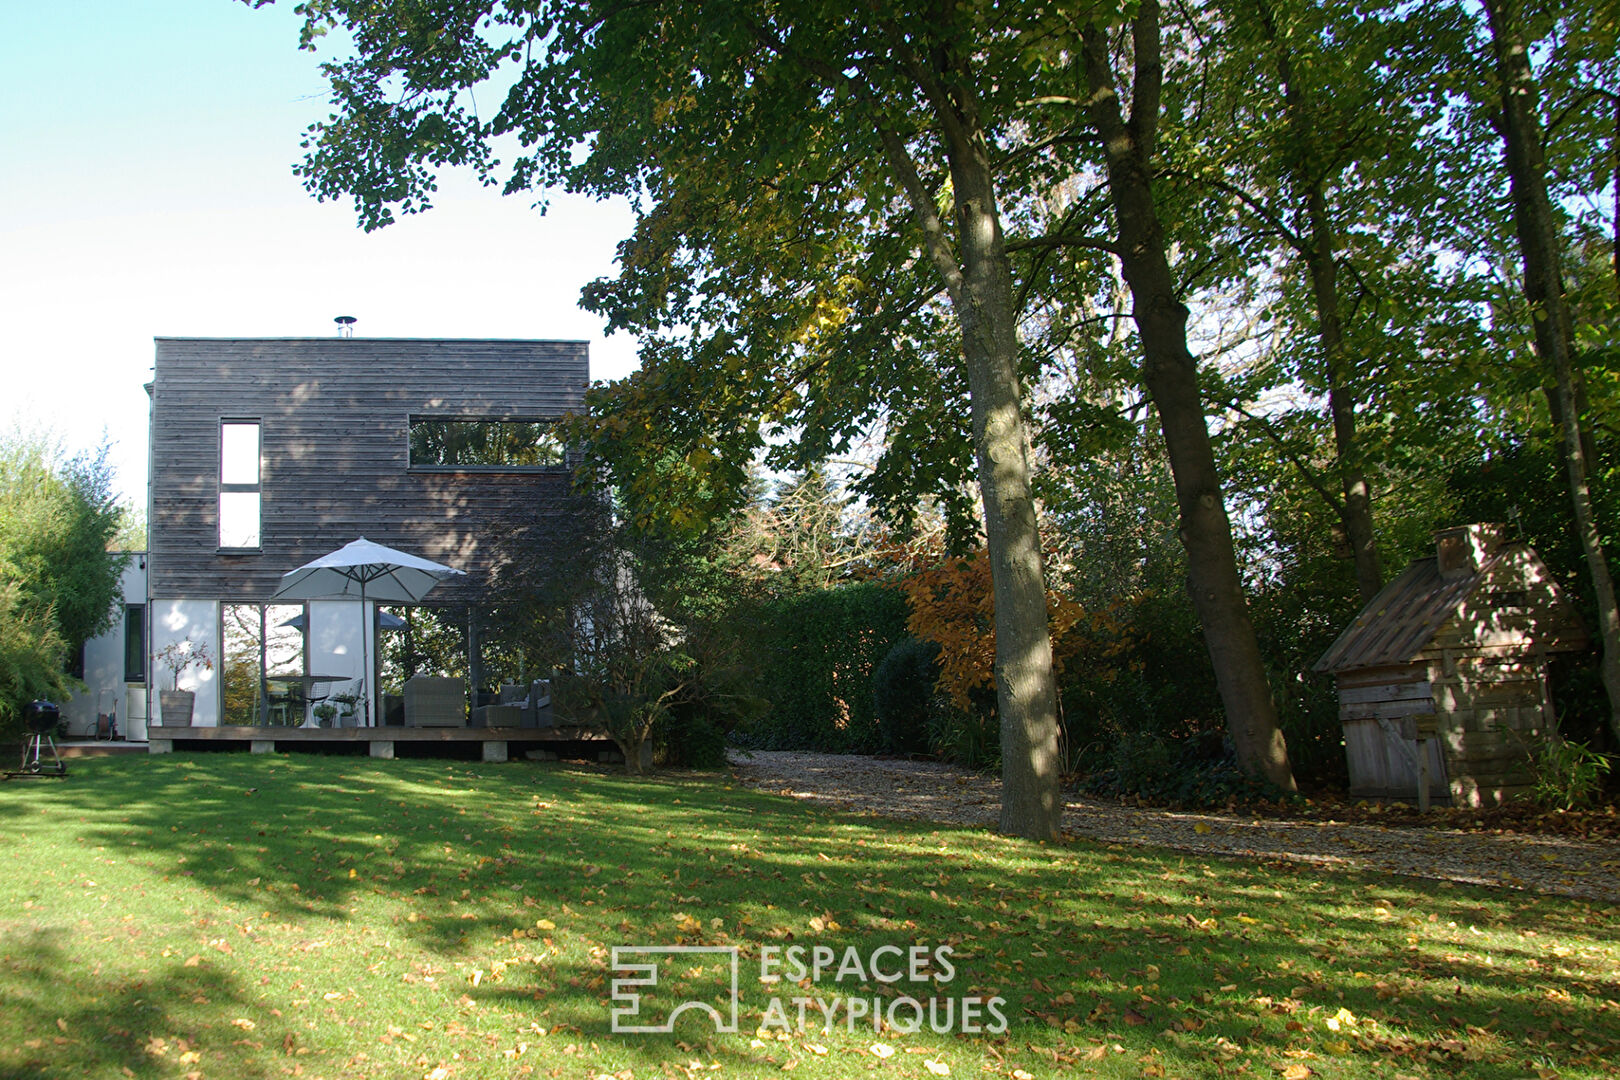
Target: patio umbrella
370, 572
385, 621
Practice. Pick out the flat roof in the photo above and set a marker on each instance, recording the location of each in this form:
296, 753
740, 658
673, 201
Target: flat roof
335, 337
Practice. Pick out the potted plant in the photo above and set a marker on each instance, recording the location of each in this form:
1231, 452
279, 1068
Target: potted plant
348, 708
176, 705
324, 712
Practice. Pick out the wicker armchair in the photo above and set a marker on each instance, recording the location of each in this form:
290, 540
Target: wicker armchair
435, 701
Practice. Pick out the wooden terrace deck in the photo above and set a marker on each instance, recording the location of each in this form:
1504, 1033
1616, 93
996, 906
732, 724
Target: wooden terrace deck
495, 744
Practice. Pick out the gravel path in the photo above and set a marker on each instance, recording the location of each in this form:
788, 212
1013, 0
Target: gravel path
933, 792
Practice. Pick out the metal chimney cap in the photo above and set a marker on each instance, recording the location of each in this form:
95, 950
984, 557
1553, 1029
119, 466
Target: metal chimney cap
345, 325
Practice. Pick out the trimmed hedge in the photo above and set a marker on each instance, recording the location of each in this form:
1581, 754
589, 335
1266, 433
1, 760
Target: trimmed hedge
817, 657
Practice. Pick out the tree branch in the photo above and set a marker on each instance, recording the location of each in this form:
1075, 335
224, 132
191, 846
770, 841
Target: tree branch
1304, 470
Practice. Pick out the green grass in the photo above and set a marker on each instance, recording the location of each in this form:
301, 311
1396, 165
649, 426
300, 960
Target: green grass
236, 917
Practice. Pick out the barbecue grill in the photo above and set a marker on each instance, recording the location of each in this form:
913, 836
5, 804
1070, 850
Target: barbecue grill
41, 719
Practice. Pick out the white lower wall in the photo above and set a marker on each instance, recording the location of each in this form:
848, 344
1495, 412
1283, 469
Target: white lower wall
176, 620
104, 663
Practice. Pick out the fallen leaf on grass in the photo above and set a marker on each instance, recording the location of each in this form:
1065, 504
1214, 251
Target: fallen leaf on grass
938, 1068
882, 1050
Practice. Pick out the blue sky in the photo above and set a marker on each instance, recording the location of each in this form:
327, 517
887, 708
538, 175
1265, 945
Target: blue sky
146, 191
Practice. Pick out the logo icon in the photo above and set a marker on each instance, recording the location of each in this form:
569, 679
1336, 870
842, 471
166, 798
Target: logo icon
631, 993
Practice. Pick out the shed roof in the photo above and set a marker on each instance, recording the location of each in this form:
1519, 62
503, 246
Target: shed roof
1403, 618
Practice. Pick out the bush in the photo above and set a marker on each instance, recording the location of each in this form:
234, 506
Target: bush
970, 737
1569, 775
902, 687
683, 739
1200, 771
58, 580
31, 649
1143, 762
817, 658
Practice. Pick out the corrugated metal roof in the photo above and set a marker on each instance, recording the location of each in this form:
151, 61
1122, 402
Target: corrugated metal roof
1405, 614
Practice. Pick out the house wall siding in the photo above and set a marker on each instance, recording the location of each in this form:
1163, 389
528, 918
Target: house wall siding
335, 453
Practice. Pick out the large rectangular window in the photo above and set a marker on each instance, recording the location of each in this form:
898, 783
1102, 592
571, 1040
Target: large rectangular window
239, 490
262, 663
484, 444
135, 643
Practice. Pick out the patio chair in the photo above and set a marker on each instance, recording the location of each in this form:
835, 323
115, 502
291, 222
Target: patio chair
287, 705
435, 701
517, 705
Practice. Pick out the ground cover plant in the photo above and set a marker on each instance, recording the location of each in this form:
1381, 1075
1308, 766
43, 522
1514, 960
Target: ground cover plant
263, 916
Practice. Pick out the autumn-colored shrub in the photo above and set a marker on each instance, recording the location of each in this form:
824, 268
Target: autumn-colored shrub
952, 604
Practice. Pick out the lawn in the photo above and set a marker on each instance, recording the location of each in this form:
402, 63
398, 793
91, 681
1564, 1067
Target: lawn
233, 916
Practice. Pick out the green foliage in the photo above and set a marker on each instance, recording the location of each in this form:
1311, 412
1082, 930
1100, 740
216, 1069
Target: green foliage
57, 519
902, 688
774, 283
819, 652
688, 739
968, 737
1194, 772
1568, 775
31, 650
59, 580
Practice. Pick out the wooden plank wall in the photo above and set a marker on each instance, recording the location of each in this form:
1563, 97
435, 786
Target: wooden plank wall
1383, 766
1489, 711
335, 449
1495, 706
1514, 606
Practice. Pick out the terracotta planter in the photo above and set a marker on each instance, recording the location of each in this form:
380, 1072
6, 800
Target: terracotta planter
175, 707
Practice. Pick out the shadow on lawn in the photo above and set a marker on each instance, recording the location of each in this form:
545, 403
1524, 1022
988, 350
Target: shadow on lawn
60, 1020
479, 852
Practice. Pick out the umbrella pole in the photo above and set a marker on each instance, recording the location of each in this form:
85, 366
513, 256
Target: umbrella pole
365, 660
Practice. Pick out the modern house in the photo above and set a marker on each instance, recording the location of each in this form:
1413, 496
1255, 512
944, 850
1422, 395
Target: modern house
269, 452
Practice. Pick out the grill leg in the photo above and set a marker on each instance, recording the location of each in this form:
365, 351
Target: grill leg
33, 763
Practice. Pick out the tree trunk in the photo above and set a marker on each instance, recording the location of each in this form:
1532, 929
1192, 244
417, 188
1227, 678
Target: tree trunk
978, 279
1171, 377
1543, 288
1026, 693
1355, 509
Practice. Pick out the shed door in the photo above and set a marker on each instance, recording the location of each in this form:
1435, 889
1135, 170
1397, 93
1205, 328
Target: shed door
1383, 761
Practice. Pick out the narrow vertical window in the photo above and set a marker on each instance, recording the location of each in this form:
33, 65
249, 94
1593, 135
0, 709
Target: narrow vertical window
239, 484
135, 643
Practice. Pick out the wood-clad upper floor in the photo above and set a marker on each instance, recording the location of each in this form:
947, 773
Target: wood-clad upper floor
334, 418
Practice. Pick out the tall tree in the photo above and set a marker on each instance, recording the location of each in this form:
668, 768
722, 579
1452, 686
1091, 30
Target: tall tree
1170, 374
1540, 240
790, 162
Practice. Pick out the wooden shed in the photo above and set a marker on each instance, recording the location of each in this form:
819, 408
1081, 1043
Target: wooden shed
1445, 671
